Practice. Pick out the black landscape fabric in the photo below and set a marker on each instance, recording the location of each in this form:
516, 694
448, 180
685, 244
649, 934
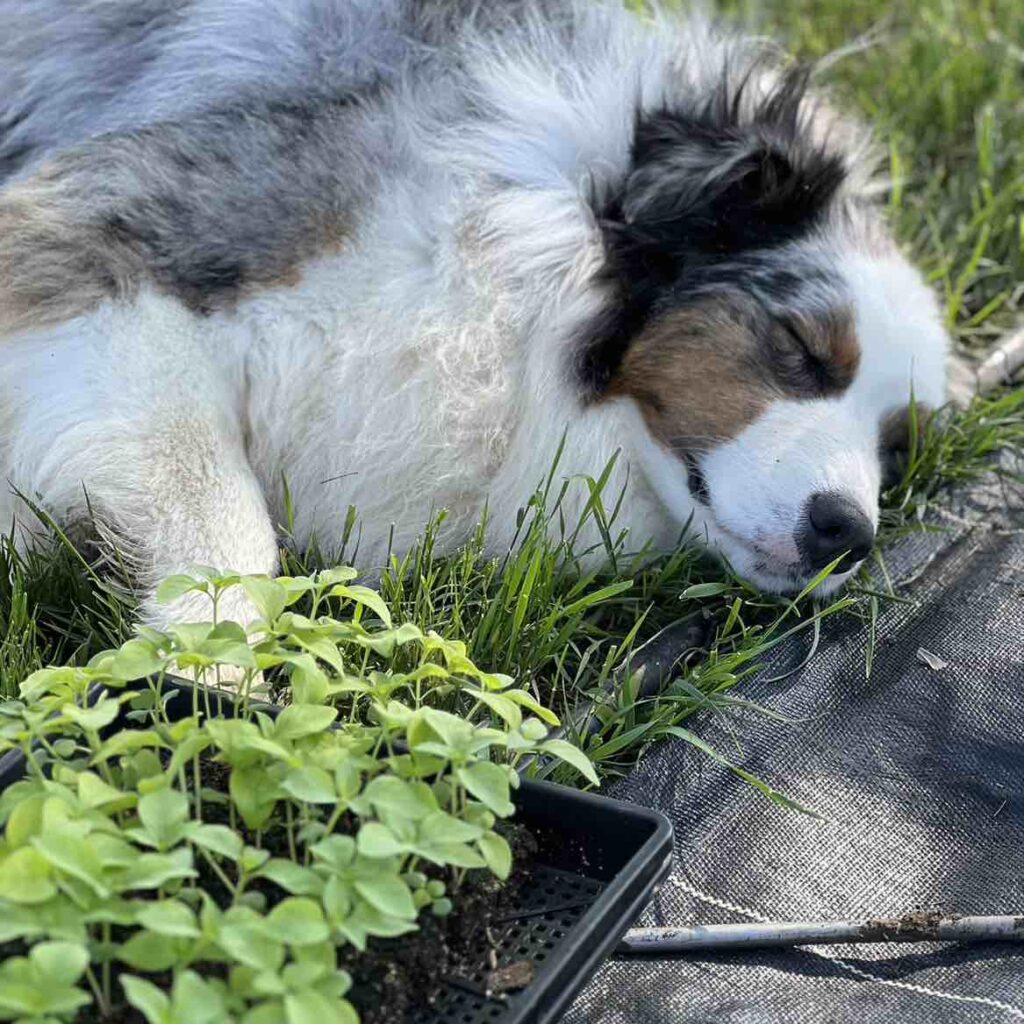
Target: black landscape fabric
917, 773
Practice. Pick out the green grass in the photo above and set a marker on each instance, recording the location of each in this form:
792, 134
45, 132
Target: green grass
945, 85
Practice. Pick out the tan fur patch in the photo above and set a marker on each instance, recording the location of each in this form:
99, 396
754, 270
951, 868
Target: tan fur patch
691, 375
832, 338
703, 373
51, 267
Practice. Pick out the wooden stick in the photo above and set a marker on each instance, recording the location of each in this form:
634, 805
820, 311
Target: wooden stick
999, 367
918, 926
1002, 364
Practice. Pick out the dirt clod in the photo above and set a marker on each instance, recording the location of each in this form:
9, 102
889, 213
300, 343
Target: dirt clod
511, 977
915, 926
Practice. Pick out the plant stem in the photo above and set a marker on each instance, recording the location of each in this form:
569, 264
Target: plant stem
197, 783
30, 756
217, 870
290, 828
332, 821
107, 987
104, 766
97, 991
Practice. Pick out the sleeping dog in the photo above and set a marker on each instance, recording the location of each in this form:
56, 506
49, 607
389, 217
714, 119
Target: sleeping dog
393, 252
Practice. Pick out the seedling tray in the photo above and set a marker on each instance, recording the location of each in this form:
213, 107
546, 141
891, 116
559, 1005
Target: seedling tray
598, 862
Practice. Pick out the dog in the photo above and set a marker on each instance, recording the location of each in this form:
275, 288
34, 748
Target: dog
392, 254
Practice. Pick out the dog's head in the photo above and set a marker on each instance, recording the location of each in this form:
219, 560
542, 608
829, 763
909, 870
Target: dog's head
765, 325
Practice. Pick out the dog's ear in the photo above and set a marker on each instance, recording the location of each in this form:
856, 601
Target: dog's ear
735, 176
705, 197
717, 181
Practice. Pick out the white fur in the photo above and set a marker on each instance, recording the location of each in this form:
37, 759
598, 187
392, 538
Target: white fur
125, 408
425, 366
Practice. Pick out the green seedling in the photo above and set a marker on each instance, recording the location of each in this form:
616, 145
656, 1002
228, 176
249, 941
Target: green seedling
128, 876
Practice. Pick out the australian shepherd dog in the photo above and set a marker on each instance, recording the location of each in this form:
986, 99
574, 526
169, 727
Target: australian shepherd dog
395, 252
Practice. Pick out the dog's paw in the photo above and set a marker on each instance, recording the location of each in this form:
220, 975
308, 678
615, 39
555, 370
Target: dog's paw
232, 606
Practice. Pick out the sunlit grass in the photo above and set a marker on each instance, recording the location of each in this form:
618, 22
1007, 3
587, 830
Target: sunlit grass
943, 84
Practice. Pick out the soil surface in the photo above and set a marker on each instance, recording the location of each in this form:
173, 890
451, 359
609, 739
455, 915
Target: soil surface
397, 976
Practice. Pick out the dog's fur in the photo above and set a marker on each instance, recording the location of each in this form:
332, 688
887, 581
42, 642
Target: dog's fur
394, 249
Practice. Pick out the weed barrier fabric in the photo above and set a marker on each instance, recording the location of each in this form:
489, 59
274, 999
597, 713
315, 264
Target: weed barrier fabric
918, 773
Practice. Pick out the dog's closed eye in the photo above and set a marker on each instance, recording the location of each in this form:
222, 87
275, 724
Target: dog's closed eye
795, 359
802, 358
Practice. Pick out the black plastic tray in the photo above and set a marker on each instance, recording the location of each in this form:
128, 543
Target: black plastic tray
598, 862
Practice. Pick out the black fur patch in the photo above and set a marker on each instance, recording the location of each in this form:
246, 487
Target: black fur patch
12, 156
696, 481
708, 187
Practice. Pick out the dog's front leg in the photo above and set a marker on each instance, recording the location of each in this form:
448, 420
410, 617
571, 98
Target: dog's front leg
187, 495
202, 506
130, 416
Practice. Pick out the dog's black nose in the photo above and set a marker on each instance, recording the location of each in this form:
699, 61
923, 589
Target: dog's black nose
834, 523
